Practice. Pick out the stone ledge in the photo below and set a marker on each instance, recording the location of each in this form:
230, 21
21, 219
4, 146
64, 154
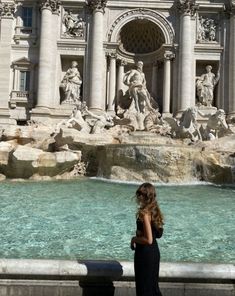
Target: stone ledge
113, 270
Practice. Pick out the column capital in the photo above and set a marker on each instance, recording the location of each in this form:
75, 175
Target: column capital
122, 62
187, 7
97, 5
231, 7
168, 55
53, 5
111, 54
7, 10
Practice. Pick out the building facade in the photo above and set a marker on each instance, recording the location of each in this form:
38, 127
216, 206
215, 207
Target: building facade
43, 42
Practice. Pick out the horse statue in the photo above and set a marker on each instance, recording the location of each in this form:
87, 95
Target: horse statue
187, 127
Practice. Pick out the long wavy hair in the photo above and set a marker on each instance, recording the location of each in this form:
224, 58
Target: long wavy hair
146, 199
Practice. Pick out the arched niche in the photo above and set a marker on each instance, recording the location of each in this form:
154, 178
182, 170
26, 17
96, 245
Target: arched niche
137, 15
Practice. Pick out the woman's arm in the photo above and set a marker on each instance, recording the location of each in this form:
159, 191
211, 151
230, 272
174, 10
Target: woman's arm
147, 236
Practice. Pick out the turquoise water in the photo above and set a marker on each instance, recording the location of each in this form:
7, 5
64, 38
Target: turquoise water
93, 219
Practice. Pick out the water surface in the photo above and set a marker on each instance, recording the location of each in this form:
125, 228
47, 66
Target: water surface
92, 219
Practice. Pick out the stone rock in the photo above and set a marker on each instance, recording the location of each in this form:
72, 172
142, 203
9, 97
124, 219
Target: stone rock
65, 136
162, 163
149, 163
27, 161
5, 149
73, 138
2, 177
22, 134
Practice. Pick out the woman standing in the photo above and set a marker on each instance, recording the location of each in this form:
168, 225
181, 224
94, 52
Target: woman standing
147, 256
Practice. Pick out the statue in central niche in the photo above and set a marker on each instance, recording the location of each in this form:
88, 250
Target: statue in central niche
135, 80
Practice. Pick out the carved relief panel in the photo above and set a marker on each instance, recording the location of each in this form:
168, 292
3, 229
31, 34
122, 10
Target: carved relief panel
208, 27
73, 24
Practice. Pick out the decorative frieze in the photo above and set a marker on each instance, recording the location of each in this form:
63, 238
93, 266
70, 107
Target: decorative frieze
95, 5
7, 9
187, 7
53, 5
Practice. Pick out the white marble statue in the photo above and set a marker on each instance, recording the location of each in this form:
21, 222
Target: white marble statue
135, 80
74, 25
71, 84
187, 127
76, 120
102, 121
205, 85
216, 126
151, 120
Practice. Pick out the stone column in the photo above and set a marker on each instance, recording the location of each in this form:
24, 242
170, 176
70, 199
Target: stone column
231, 107
112, 82
168, 56
96, 100
7, 10
186, 80
47, 54
120, 85
154, 79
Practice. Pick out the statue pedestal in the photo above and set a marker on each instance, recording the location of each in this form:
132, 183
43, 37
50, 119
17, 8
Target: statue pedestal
52, 115
204, 113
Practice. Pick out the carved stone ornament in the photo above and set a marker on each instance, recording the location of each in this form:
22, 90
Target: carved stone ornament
187, 7
74, 25
111, 54
169, 55
7, 9
231, 7
97, 4
53, 5
206, 30
122, 62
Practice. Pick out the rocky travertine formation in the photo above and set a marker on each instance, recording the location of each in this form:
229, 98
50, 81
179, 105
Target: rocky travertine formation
38, 152
168, 163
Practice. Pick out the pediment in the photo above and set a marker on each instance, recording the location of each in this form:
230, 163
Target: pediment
22, 61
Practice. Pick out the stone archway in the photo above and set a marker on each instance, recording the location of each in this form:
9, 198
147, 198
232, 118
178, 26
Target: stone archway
146, 35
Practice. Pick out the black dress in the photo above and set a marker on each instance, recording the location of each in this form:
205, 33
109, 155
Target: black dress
146, 264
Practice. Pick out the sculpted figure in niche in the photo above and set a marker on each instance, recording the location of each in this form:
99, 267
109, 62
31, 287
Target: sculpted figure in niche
71, 84
135, 80
74, 26
205, 85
